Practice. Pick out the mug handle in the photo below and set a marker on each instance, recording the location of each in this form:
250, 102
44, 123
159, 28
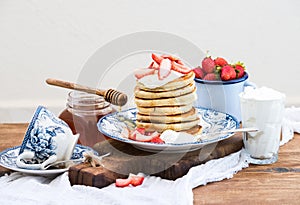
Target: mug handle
251, 84
30, 155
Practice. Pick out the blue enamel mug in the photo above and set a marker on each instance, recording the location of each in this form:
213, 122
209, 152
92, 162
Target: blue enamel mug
222, 96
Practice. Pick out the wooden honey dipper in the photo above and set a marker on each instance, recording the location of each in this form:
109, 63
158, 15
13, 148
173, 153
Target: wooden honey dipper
113, 96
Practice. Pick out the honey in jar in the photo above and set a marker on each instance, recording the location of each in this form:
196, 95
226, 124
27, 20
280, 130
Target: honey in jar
82, 113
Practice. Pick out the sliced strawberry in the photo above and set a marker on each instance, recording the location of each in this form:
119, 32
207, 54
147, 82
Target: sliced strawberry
171, 58
164, 69
180, 68
123, 182
126, 133
141, 135
132, 179
157, 58
142, 72
140, 130
143, 138
153, 65
157, 140
136, 180
179, 62
132, 135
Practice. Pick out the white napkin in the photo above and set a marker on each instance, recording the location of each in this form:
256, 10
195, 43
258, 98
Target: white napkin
290, 124
17, 188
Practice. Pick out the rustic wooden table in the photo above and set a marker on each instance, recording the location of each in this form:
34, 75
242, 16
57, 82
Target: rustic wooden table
278, 183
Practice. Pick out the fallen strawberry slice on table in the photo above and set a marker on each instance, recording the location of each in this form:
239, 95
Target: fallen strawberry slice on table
123, 182
136, 180
132, 179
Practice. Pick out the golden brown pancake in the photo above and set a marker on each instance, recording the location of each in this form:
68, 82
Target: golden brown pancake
165, 110
160, 127
139, 93
191, 115
174, 101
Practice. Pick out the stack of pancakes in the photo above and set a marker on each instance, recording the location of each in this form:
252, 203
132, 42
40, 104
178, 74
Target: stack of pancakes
169, 106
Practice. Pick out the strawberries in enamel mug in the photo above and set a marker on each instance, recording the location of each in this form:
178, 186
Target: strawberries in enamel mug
219, 69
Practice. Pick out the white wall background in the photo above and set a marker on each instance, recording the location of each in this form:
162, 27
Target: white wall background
54, 38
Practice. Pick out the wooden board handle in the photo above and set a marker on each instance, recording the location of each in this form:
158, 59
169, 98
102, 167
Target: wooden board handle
113, 96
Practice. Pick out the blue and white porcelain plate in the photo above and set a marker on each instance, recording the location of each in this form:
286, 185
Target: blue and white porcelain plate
8, 160
211, 121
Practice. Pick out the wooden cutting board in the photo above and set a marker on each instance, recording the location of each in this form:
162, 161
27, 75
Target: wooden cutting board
125, 159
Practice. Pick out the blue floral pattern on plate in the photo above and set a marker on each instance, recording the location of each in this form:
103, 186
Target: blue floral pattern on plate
8, 160
211, 121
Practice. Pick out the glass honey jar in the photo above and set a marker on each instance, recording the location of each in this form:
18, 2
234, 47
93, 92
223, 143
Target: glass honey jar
82, 113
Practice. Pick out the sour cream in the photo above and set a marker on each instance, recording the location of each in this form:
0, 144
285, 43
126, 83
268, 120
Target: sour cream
170, 136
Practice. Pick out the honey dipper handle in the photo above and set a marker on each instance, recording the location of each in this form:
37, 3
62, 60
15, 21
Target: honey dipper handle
74, 86
113, 96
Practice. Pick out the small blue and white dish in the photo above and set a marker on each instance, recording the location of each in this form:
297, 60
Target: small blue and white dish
8, 160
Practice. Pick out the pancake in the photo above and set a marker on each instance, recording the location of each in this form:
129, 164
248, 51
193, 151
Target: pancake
185, 117
168, 107
165, 110
194, 130
160, 127
139, 93
174, 101
181, 82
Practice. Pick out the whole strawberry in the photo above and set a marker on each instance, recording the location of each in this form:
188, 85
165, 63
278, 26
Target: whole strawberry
208, 65
199, 73
240, 70
228, 73
220, 61
210, 76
